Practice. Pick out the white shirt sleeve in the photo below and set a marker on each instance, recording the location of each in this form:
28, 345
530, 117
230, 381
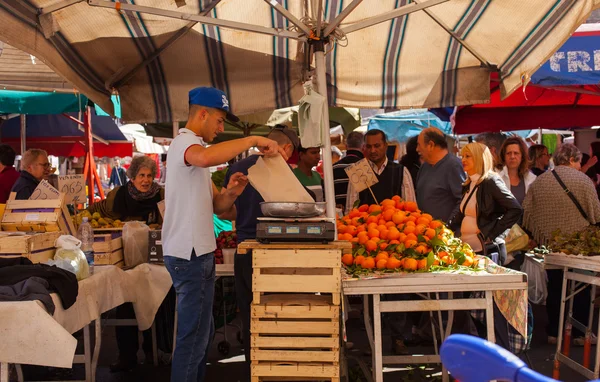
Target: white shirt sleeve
408, 189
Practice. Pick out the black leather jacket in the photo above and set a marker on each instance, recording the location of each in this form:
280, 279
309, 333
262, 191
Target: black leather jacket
497, 210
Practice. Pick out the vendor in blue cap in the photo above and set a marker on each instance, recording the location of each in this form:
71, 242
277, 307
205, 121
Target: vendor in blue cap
187, 235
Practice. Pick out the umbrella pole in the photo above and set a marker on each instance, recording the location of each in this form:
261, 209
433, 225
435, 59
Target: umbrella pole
319, 47
23, 134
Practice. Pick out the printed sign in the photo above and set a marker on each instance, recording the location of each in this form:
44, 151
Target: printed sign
361, 175
44, 191
73, 186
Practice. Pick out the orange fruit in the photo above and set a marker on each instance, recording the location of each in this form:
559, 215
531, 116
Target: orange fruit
398, 217
381, 264
354, 213
372, 219
402, 237
423, 221
393, 263
447, 260
371, 226
347, 236
363, 208
368, 263
358, 260
410, 243
442, 254
468, 261
371, 245
411, 236
373, 233
411, 219
374, 208
420, 229
422, 249
430, 233
384, 234
422, 264
409, 229
394, 234
381, 255
342, 228
387, 202
381, 227
388, 214
410, 222
381, 222
427, 216
410, 264
390, 224
351, 230
383, 246
410, 206
354, 240
436, 224
396, 198
394, 242
361, 228
355, 221
362, 237
348, 259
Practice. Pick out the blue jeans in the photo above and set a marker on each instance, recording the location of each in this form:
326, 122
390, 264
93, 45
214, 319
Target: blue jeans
194, 282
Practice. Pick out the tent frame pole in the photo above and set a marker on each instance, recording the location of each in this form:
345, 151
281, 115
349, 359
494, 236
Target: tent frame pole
23, 118
89, 166
319, 52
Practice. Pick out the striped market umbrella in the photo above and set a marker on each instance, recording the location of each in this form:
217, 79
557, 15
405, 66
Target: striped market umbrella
363, 53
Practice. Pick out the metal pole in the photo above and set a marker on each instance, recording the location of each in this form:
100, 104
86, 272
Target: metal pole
175, 128
327, 161
23, 135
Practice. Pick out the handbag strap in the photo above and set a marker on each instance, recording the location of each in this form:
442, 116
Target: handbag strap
570, 195
469, 198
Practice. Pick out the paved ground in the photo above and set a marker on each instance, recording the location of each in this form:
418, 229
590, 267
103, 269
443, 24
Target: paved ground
228, 369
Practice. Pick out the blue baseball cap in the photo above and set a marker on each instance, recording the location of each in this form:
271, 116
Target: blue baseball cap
211, 97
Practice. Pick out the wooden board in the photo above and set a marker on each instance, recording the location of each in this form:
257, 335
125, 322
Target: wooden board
296, 258
247, 245
37, 215
35, 257
295, 355
107, 244
295, 369
110, 258
590, 263
27, 243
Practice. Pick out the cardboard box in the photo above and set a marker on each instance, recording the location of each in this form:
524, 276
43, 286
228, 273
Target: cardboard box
155, 248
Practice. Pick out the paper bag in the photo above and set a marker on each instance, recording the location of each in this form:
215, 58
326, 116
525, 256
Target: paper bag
274, 180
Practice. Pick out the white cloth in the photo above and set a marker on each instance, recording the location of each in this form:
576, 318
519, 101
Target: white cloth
408, 189
31, 336
310, 120
469, 228
188, 222
528, 178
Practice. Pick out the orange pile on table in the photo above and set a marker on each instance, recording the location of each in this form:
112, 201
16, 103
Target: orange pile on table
396, 236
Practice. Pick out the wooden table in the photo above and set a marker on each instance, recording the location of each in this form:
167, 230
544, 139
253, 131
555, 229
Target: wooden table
425, 284
574, 275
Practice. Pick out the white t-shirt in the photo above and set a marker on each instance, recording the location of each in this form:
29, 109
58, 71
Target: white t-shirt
188, 222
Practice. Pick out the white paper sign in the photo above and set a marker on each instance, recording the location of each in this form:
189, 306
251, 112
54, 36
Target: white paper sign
361, 175
44, 191
73, 186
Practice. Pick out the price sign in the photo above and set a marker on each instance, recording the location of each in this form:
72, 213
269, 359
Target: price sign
361, 175
44, 191
73, 186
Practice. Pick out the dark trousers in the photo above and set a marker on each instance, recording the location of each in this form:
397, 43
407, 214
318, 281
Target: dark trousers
581, 304
243, 291
127, 336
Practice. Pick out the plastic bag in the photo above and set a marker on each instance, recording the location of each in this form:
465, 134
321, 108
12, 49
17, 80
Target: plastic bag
135, 243
68, 250
516, 240
62, 264
537, 288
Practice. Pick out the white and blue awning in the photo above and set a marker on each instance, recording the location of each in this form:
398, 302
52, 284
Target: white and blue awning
388, 53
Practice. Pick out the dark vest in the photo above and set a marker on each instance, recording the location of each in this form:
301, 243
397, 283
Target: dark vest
390, 184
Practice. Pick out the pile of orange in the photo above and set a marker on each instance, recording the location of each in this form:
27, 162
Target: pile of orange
396, 235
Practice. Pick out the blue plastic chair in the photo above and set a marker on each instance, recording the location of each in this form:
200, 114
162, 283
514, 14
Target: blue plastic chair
472, 359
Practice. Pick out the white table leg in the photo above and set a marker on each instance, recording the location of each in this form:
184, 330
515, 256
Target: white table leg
97, 343
378, 364
489, 316
4, 372
367, 319
561, 316
19, 373
86, 353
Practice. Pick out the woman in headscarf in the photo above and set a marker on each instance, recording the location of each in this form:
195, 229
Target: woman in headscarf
135, 200
138, 198
548, 208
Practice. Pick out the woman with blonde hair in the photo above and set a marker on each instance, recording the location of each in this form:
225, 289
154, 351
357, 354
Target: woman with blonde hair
488, 209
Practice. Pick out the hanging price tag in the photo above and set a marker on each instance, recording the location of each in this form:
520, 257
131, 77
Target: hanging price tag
73, 186
361, 175
44, 191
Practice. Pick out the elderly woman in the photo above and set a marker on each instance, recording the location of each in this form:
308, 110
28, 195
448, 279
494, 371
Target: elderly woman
515, 171
488, 209
548, 208
137, 199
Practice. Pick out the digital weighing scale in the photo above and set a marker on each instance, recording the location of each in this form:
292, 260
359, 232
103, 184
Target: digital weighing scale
318, 229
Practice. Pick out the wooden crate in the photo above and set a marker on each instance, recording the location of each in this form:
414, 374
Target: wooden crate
108, 249
37, 247
37, 216
295, 335
296, 271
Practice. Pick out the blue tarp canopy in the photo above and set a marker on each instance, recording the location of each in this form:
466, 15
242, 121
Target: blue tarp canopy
18, 102
401, 125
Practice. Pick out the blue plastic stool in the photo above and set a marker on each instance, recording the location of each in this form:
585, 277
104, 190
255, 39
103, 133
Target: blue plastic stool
472, 359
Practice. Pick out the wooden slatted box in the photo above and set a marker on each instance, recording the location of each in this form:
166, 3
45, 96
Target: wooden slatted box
37, 216
108, 249
295, 335
296, 268
37, 247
